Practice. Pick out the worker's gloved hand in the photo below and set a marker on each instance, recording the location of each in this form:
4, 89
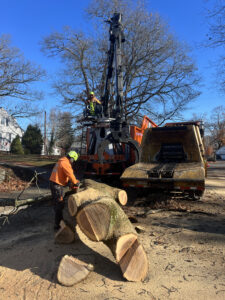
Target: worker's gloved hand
75, 186
78, 183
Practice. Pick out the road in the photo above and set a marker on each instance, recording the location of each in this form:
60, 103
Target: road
216, 177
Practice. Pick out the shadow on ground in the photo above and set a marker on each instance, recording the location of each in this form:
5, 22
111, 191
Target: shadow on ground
31, 231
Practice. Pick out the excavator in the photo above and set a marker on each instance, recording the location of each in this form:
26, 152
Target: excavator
168, 158
111, 143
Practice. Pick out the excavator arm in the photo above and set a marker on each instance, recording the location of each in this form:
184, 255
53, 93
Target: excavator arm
119, 127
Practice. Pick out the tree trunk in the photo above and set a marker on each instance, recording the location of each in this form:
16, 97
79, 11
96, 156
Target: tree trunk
119, 195
104, 220
92, 191
71, 270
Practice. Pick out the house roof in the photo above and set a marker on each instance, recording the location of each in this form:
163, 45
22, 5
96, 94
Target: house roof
12, 119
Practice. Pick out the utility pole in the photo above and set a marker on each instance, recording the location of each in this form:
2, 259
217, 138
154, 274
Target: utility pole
45, 136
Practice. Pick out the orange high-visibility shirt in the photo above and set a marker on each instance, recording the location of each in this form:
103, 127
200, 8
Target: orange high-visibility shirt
63, 172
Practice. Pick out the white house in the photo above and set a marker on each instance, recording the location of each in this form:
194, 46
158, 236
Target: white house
220, 153
9, 129
55, 150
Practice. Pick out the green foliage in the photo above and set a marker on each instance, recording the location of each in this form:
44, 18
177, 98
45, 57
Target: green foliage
16, 146
32, 140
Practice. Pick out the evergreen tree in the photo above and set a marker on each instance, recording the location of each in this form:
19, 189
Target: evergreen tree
32, 140
51, 143
16, 146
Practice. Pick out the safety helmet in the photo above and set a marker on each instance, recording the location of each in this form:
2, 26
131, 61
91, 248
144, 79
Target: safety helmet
92, 93
74, 155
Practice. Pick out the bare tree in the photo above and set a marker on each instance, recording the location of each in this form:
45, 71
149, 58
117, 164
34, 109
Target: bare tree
216, 127
16, 78
65, 132
216, 20
216, 36
159, 77
23, 109
81, 70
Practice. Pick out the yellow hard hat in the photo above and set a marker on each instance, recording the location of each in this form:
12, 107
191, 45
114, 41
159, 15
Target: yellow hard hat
74, 155
92, 93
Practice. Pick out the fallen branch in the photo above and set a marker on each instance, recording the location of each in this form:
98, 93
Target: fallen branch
29, 201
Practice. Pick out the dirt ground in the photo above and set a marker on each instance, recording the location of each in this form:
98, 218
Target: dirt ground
184, 241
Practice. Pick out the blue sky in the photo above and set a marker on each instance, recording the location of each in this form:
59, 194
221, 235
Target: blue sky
28, 21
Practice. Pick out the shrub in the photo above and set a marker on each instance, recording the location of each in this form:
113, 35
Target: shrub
16, 146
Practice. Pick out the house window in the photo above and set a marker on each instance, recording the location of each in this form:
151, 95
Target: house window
3, 121
10, 137
7, 122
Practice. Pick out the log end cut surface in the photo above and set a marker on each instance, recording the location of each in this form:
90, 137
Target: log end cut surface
122, 196
72, 270
72, 207
94, 221
132, 258
64, 235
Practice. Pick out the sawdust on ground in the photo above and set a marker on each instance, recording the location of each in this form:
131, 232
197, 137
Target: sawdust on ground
184, 242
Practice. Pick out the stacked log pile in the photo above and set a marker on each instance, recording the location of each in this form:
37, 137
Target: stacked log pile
97, 210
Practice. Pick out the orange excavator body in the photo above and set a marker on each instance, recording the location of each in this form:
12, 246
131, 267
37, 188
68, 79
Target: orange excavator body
114, 164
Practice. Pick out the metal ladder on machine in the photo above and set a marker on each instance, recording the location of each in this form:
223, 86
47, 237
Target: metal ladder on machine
83, 140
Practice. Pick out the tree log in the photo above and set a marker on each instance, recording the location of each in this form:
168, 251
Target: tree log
92, 191
104, 220
71, 270
117, 194
76, 200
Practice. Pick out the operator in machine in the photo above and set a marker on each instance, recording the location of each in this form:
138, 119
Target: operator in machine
94, 104
62, 174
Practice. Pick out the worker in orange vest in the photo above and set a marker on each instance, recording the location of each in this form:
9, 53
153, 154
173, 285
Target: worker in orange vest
62, 174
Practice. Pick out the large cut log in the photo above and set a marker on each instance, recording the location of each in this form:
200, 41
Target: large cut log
72, 270
76, 200
91, 191
104, 220
117, 194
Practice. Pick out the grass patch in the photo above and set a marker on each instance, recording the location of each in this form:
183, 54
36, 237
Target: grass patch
29, 159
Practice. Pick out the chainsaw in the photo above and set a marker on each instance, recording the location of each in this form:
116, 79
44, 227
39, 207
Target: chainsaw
75, 187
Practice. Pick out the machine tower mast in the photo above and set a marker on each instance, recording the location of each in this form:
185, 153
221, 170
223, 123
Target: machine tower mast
115, 67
